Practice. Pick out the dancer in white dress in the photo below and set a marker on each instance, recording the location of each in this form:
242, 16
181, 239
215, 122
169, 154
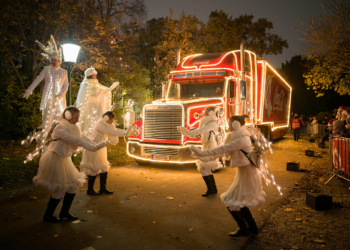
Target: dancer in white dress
208, 128
93, 101
94, 163
246, 190
56, 171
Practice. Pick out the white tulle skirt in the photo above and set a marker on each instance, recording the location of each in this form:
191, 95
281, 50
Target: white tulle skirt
213, 163
246, 189
58, 173
95, 161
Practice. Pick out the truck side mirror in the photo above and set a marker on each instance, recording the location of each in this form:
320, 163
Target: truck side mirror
243, 85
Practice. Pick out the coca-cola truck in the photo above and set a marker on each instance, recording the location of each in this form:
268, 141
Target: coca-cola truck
199, 81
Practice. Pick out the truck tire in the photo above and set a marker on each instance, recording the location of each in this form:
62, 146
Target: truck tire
141, 162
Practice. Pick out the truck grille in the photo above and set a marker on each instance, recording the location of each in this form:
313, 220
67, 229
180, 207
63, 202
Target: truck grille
160, 122
161, 151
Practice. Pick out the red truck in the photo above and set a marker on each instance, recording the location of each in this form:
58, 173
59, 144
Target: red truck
198, 81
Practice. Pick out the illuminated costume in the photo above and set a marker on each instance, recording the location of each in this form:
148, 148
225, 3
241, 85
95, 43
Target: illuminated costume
246, 190
208, 129
56, 170
93, 101
94, 163
53, 99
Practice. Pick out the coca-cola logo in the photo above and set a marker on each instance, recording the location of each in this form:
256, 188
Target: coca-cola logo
201, 62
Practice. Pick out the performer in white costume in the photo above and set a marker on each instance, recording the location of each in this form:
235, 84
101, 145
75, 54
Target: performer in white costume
246, 190
93, 101
53, 99
208, 129
56, 171
94, 163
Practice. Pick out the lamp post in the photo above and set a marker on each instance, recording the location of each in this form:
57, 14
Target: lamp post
70, 54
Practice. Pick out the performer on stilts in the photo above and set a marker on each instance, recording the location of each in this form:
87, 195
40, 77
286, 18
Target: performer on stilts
56, 171
207, 130
93, 101
94, 163
53, 99
246, 190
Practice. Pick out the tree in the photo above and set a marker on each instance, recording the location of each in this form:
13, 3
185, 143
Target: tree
304, 100
105, 30
182, 33
327, 42
225, 33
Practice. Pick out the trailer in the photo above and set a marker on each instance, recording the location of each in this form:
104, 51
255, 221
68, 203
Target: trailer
199, 81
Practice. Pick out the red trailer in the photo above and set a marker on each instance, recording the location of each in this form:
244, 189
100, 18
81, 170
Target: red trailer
198, 81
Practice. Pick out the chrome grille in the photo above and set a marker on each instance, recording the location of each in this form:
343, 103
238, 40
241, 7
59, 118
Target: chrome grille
161, 151
160, 122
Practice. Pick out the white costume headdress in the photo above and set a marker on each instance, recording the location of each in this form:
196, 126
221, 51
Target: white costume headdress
90, 71
50, 52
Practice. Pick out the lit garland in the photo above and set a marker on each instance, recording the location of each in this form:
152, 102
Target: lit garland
92, 119
55, 114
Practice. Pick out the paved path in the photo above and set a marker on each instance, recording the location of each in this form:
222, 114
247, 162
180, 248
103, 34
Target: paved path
140, 214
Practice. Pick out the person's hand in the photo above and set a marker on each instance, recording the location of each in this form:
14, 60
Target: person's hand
183, 130
26, 94
60, 95
106, 143
114, 85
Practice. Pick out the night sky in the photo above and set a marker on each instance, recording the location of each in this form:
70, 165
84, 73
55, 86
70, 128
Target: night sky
281, 13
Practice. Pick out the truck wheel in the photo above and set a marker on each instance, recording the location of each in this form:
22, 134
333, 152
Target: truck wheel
141, 162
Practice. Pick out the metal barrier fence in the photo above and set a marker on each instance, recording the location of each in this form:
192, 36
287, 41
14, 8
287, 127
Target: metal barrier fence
339, 150
316, 129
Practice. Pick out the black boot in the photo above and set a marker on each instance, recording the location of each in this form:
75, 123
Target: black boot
243, 229
91, 182
51, 206
253, 228
67, 202
210, 182
214, 189
103, 183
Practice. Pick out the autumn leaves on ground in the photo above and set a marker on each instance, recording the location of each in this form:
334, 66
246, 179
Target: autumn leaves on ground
294, 225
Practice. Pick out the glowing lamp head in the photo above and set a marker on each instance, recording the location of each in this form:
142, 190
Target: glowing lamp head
70, 52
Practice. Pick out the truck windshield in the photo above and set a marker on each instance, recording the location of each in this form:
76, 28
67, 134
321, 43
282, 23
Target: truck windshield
196, 88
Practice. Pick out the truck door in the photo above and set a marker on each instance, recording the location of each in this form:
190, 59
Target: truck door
231, 103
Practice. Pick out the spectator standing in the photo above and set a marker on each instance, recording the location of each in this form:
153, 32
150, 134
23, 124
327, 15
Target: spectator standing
296, 126
325, 121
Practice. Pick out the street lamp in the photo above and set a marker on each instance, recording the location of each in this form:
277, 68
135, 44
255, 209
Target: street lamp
70, 54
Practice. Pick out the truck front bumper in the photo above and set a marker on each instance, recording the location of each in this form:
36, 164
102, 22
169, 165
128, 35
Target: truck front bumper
160, 152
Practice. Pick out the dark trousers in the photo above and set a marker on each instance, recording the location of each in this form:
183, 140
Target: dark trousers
325, 137
296, 134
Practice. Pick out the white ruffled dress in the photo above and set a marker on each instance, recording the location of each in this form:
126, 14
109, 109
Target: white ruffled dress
246, 189
97, 162
56, 169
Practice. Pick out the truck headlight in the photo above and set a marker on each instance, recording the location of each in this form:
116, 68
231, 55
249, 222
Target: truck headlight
132, 149
137, 131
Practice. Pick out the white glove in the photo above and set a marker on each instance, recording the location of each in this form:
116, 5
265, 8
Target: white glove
130, 130
183, 131
60, 95
114, 85
27, 93
106, 143
196, 150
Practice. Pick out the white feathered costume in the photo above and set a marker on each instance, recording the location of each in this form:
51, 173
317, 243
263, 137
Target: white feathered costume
246, 189
56, 169
93, 101
97, 161
207, 129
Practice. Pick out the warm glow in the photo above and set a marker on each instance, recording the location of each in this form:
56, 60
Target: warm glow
70, 52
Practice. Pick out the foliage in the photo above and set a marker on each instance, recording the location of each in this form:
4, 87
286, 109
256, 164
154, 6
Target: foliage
160, 38
104, 29
304, 100
326, 39
225, 33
